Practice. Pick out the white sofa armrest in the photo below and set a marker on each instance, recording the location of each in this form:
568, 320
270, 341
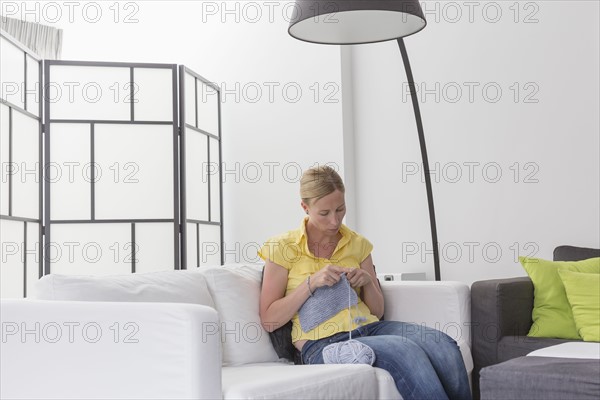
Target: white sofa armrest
445, 306
84, 350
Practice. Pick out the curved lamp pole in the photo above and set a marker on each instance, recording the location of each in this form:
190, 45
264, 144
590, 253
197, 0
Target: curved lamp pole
370, 21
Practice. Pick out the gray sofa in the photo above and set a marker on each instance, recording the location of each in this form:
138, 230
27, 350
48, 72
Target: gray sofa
501, 316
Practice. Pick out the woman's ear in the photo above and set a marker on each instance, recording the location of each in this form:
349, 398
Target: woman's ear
304, 206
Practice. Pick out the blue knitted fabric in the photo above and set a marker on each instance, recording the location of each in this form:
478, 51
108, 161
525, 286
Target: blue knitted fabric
325, 303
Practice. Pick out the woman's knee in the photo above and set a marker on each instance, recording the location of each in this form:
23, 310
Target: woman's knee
395, 348
416, 332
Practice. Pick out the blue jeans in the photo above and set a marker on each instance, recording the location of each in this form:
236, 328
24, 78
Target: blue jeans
424, 362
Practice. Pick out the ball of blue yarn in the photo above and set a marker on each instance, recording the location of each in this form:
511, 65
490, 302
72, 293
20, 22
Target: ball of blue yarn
348, 352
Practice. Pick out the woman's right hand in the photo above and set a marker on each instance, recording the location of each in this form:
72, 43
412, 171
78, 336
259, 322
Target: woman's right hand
327, 276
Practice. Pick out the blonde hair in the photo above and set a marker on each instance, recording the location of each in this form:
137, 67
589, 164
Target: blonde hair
318, 182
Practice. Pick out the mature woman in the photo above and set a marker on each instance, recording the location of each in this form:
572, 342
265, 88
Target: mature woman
322, 255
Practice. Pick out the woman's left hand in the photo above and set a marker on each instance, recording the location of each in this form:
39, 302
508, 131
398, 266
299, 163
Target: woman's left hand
359, 277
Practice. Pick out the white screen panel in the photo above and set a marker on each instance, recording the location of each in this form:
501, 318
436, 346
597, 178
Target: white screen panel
90, 249
153, 95
154, 247
69, 171
192, 246
190, 99
137, 171
33, 86
215, 195
12, 72
208, 108
26, 180
97, 93
210, 245
33, 255
197, 169
11, 264
4, 165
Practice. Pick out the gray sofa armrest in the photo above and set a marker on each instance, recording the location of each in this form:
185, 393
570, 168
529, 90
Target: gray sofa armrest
499, 308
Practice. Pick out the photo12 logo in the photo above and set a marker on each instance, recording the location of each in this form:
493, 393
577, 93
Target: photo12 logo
72, 252
472, 92
70, 172
468, 251
472, 172
53, 12
272, 92
69, 332
490, 12
90, 92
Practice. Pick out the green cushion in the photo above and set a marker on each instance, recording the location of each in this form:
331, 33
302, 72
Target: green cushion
583, 292
552, 315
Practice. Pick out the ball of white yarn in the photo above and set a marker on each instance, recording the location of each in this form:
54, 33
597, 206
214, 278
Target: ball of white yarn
348, 352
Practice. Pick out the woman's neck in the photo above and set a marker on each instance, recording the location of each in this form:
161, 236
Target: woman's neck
316, 236
319, 244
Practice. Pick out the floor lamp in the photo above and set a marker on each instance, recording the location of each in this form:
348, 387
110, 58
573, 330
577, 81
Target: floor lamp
369, 21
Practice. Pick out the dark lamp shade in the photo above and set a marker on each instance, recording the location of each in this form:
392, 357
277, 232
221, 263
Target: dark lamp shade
355, 21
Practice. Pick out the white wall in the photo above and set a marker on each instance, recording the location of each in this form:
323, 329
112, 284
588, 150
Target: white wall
553, 142
270, 130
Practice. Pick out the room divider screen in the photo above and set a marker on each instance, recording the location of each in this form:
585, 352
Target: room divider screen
131, 170
20, 165
111, 150
202, 206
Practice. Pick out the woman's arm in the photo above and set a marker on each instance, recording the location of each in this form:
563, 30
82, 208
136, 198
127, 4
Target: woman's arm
366, 278
276, 309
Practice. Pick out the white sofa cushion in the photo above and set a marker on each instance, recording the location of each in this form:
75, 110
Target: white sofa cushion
161, 287
570, 350
284, 381
235, 290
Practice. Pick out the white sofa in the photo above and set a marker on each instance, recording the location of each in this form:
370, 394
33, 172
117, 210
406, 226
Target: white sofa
134, 337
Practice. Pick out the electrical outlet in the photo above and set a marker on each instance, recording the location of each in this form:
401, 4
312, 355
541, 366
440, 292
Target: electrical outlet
403, 276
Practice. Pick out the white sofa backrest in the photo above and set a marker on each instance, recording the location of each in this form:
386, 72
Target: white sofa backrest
233, 290
161, 287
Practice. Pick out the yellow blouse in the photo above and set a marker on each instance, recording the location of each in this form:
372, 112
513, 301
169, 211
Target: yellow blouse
290, 250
